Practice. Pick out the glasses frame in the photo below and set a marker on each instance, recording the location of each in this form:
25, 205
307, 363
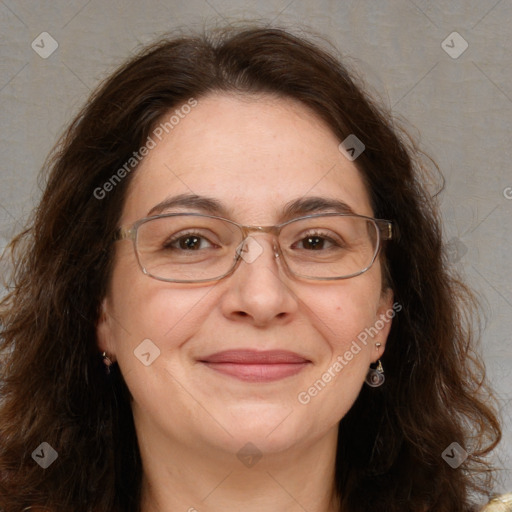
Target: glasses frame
385, 231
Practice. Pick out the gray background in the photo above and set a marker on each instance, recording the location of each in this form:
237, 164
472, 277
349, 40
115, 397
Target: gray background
460, 107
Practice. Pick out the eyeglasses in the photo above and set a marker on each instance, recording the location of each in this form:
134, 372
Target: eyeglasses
193, 248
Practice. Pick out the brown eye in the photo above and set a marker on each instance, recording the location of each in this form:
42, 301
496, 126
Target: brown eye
316, 242
186, 242
313, 242
190, 242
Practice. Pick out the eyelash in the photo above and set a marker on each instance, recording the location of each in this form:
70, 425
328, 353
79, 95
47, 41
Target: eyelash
314, 233
175, 238
320, 234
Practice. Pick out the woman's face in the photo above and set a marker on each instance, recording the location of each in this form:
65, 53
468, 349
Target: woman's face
253, 155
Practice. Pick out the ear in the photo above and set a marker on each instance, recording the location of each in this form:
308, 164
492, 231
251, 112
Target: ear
386, 311
104, 331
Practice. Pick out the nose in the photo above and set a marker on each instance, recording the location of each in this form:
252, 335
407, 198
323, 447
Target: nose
259, 290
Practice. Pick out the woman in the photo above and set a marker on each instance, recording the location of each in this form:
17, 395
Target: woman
233, 296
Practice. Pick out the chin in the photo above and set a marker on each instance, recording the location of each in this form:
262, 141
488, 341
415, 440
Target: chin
270, 430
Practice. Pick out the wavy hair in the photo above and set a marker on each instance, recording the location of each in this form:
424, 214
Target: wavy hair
53, 386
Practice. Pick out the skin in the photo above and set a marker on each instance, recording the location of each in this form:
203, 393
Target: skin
253, 154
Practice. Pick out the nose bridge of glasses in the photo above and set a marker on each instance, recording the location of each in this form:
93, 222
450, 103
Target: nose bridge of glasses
260, 229
249, 231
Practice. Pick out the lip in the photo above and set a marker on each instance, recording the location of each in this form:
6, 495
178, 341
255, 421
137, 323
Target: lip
256, 366
247, 356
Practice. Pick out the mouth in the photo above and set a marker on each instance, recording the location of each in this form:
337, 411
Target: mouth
255, 366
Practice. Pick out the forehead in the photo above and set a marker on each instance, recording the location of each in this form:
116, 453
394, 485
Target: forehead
252, 153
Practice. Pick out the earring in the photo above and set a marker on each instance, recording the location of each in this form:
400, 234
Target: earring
375, 376
107, 362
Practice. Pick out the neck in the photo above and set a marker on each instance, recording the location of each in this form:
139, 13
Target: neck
179, 477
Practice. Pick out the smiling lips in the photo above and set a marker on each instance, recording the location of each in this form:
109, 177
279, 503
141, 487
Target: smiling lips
256, 366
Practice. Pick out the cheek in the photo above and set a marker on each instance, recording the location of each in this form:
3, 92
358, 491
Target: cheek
332, 389
142, 308
345, 315
346, 312
156, 311
152, 322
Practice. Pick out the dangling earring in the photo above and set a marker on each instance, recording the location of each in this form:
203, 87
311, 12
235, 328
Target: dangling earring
107, 362
375, 376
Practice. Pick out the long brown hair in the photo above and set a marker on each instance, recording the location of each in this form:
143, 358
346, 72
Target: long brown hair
53, 385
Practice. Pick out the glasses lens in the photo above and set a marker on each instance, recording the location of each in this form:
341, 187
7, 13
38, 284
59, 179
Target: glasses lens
191, 248
329, 246
187, 247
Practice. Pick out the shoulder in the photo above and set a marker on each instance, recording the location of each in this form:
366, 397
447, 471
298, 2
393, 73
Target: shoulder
502, 503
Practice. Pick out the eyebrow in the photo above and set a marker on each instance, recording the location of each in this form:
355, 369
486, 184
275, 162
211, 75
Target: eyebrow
209, 205
204, 204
